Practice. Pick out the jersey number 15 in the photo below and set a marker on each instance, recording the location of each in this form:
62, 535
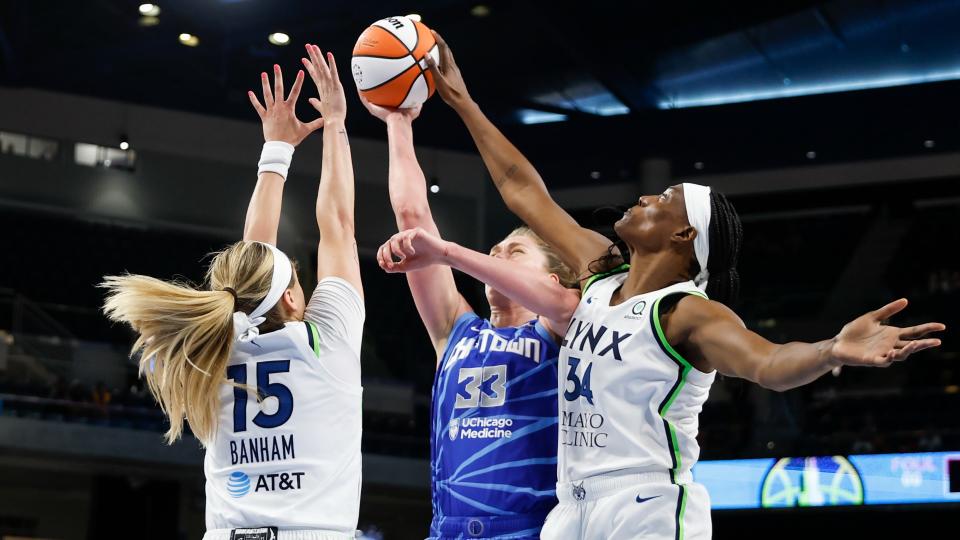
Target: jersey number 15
265, 388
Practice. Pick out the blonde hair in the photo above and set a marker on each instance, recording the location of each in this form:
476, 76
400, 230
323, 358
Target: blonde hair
186, 334
568, 278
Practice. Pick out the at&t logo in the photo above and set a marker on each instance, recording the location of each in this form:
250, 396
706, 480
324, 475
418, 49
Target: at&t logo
238, 484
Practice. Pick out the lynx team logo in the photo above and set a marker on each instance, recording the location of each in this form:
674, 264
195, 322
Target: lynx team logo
812, 481
453, 428
238, 484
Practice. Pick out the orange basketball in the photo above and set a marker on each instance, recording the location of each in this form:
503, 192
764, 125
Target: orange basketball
389, 62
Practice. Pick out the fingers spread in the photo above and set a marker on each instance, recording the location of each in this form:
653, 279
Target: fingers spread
256, 104
311, 70
333, 67
314, 125
295, 91
890, 309
915, 332
320, 64
267, 93
277, 82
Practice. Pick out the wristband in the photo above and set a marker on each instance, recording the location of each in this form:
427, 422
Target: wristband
276, 158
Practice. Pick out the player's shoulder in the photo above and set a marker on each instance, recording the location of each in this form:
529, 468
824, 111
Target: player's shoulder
616, 274
695, 309
467, 323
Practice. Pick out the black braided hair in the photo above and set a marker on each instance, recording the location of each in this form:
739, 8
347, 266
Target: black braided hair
617, 251
726, 236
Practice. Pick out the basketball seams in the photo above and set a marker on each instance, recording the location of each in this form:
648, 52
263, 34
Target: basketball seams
399, 40
394, 91
414, 83
391, 79
416, 32
381, 57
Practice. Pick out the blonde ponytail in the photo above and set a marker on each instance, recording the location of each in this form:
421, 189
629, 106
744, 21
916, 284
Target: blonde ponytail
186, 335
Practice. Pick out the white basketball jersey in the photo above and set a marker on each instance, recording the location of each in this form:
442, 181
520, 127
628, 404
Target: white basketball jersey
628, 402
292, 460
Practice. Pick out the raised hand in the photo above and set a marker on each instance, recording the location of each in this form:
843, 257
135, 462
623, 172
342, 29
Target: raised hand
413, 248
279, 115
332, 104
866, 341
390, 113
447, 76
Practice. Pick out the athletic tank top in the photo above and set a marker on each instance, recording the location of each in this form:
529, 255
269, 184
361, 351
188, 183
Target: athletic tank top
629, 403
292, 460
494, 443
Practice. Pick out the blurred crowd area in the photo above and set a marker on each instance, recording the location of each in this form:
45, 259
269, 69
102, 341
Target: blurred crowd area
804, 274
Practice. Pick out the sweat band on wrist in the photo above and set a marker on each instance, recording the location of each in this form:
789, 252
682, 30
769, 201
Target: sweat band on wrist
276, 158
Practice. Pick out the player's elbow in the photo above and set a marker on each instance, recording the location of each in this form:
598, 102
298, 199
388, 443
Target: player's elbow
337, 221
768, 379
411, 215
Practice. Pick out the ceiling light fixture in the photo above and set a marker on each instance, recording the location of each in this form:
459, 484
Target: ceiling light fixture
480, 10
279, 38
189, 40
149, 10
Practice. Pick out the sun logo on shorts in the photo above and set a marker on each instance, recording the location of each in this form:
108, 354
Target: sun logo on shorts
453, 428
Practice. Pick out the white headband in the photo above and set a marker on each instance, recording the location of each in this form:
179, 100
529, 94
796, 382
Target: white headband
697, 200
244, 325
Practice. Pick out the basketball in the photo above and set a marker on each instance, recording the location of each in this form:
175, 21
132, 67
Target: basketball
389, 62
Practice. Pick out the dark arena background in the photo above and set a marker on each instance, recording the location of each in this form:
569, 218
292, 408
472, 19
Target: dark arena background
127, 144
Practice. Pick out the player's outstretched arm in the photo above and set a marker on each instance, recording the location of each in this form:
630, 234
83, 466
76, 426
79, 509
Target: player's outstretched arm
715, 338
415, 249
432, 287
516, 179
282, 132
337, 254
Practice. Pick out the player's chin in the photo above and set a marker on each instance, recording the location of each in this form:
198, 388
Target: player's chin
495, 297
627, 227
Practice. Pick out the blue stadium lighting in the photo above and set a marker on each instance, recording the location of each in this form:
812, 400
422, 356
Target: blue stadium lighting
796, 90
533, 116
589, 98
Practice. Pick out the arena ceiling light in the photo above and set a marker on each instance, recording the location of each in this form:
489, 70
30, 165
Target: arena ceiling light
796, 90
533, 116
279, 38
149, 10
189, 40
480, 10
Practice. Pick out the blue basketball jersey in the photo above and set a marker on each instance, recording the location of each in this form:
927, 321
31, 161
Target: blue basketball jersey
494, 425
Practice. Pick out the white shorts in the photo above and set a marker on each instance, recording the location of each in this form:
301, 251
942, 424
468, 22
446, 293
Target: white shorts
282, 534
628, 507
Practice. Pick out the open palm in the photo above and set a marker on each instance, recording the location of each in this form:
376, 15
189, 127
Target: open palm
279, 115
866, 341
